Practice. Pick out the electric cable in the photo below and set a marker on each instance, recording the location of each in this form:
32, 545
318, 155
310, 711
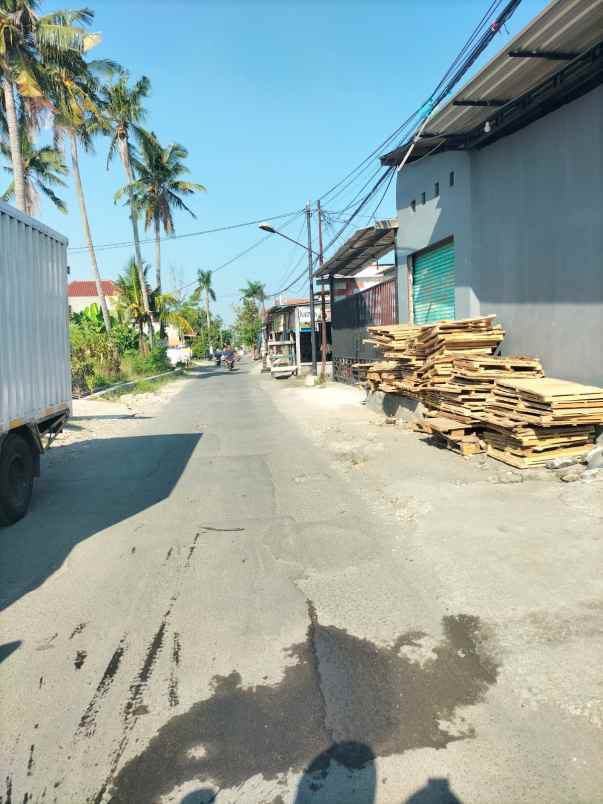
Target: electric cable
144, 241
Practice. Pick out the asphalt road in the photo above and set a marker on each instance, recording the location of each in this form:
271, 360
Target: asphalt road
204, 610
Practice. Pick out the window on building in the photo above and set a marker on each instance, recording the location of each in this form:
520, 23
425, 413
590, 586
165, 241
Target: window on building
452, 178
423, 198
413, 205
436, 189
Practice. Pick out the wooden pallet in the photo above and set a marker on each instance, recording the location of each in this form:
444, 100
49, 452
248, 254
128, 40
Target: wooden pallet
534, 459
458, 436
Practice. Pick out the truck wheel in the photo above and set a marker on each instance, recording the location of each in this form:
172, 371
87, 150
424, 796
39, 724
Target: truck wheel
16, 478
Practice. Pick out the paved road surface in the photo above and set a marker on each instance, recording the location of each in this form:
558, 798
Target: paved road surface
203, 607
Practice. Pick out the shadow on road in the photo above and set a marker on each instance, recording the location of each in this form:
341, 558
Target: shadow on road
436, 791
213, 371
345, 772
7, 649
85, 488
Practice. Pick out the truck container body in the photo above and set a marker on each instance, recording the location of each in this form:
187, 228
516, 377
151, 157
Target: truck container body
35, 377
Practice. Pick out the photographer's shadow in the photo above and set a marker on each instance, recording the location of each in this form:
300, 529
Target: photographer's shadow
343, 774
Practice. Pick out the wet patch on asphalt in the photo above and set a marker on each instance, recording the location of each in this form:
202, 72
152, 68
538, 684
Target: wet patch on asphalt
341, 689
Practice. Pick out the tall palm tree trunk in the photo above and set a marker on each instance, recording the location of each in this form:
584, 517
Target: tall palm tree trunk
158, 270
158, 254
15, 147
87, 233
125, 159
207, 316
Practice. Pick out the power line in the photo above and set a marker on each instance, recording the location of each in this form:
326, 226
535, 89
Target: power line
246, 251
128, 243
443, 88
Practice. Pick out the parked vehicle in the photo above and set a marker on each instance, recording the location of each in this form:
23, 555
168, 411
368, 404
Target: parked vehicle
35, 376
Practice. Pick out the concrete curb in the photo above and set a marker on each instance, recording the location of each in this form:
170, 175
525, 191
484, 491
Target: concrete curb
129, 382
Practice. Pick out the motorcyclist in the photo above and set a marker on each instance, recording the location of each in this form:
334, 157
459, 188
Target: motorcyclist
228, 355
218, 356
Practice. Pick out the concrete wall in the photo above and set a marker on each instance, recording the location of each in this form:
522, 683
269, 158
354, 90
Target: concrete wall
526, 214
79, 303
442, 216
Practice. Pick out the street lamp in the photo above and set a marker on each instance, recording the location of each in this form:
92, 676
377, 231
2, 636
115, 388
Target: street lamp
266, 227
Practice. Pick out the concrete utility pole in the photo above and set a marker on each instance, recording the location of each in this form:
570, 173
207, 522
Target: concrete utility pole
323, 368
311, 279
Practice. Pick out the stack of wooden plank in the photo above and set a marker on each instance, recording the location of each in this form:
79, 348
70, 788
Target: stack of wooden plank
381, 375
393, 337
401, 362
530, 421
359, 372
459, 437
465, 392
442, 344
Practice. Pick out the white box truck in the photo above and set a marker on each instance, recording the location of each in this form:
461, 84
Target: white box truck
35, 376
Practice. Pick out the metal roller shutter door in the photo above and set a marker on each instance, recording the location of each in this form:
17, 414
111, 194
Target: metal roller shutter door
433, 285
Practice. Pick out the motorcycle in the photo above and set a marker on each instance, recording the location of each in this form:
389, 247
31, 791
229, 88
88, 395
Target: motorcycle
230, 361
218, 360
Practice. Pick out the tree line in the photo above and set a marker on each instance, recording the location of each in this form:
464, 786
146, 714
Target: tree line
49, 80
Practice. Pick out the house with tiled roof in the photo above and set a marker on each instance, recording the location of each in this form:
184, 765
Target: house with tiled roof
82, 293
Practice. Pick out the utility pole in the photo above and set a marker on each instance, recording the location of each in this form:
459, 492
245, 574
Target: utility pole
311, 279
323, 368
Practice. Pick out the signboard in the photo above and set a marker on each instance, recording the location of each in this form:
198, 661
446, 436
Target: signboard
304, 313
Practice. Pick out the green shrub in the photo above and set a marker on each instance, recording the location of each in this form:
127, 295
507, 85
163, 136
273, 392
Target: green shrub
157, 360
124, 337
199, 347
93, 355
133, 364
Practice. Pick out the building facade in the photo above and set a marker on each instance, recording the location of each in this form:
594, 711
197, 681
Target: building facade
513, 224
82, 294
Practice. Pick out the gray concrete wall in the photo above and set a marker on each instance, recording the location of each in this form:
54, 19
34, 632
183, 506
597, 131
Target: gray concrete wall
526, 215
537, 201
448, 214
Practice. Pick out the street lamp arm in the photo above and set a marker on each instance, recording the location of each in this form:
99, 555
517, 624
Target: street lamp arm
271, 230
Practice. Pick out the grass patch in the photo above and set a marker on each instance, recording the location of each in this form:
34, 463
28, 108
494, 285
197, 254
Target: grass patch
143, 386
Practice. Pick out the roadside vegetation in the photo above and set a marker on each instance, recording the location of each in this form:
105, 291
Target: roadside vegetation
146, 386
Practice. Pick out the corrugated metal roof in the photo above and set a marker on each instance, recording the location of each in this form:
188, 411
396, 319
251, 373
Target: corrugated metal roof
363, 247
561, 35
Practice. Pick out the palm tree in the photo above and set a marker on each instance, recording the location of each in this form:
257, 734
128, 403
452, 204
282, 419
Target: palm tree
130, 301
28, 41
123, 107
168, 310
204, 286
76, 114
255, 291
158, 187
43, 168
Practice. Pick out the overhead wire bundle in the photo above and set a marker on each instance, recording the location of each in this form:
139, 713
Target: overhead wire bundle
407, 132
477, 42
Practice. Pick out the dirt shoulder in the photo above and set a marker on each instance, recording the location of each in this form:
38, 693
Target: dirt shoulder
103, 418
522, 552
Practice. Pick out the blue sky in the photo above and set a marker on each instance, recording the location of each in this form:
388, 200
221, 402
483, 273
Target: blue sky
276, 101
